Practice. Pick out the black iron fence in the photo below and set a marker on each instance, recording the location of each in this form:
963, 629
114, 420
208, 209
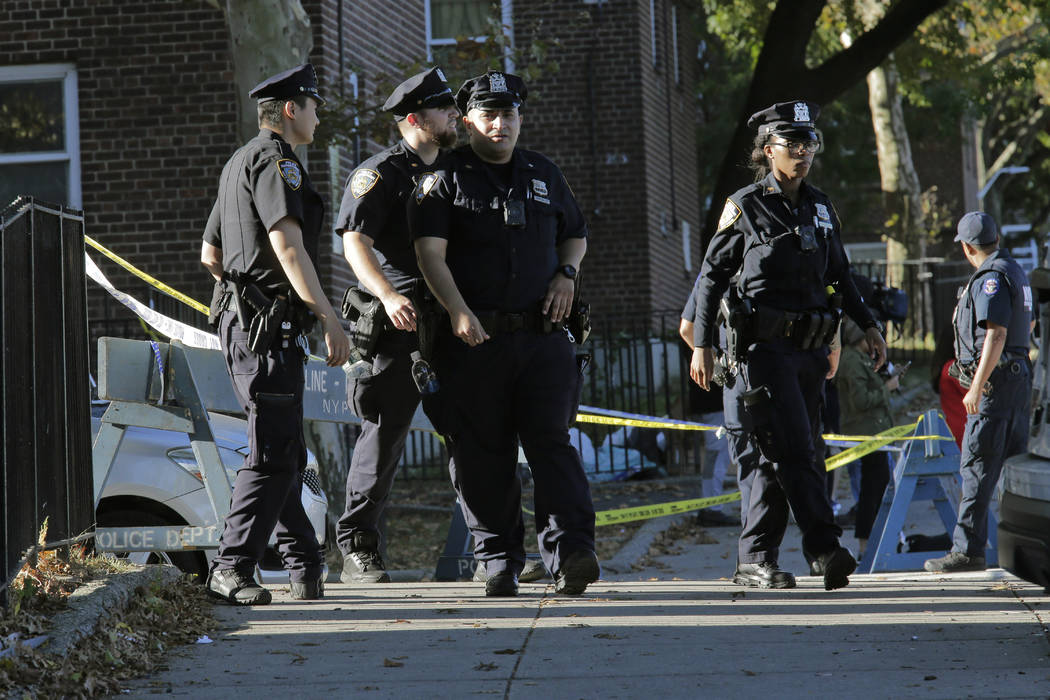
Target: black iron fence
44, 411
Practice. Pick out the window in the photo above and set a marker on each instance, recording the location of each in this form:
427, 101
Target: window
448, 19
687, 246
674, 43
40, 140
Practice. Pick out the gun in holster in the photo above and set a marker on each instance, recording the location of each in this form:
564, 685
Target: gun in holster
367, 314
737, 314
430, 318
578, 323
263, 318
962, 373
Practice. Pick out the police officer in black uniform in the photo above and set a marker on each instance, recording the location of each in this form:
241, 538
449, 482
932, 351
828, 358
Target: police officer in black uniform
781, 236
377, 246
499, 238
993, 322
261, 245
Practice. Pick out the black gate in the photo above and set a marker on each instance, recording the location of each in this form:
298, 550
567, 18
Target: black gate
45, 428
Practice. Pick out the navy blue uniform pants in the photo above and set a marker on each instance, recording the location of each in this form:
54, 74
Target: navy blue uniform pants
385, 402
516, 386
785, 429
998, 430
267, 492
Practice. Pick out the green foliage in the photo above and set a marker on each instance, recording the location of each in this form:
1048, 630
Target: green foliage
347, 118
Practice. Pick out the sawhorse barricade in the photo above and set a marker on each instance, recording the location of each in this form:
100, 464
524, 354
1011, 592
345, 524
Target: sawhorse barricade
172, 387
928, 470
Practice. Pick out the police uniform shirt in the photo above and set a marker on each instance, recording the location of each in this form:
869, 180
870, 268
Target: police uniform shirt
998, 292
262, 183
496, 266
757, 236
374, 205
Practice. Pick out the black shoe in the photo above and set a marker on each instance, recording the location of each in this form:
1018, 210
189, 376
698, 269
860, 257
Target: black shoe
836, 566
501, 585
236, 588
307, 590
764, 574
954, 561
362, 564
715, 518
579, 569
534, 570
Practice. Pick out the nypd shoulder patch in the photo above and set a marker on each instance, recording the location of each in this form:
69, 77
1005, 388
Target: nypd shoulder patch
362, 181
426, 183
730, 213
290, 172
991, 286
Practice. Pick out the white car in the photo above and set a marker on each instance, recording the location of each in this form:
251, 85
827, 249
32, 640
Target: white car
155, 480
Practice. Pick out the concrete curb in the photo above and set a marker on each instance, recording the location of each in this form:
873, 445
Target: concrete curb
638, 546
97, 600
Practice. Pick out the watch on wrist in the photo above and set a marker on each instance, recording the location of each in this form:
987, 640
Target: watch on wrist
568, 270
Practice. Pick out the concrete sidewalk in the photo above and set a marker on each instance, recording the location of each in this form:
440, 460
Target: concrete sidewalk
677, 629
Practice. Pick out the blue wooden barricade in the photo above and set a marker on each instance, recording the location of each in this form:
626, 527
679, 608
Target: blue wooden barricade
926, 471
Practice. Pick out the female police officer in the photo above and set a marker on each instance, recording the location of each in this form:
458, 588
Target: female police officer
780, 237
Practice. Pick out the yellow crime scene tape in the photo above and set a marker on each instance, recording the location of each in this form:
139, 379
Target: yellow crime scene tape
867, 443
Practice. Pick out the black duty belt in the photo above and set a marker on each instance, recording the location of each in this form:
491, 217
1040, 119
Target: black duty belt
511, 322
806, 329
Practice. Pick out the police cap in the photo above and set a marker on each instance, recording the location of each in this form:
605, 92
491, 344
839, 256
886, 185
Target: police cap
292, 83
977, 228
794, 118
422, 90
493, 89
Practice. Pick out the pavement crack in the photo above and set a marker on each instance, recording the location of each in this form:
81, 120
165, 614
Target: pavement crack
1039, 618
525, 645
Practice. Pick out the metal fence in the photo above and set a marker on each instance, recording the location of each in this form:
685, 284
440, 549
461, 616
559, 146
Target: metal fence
44, 411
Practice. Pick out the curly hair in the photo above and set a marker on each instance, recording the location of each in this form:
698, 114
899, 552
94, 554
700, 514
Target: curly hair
757, 162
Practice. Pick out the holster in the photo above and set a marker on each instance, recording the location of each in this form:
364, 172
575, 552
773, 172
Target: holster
430, 317
962, 374
366, 312
220, 301
267, 325
739, 318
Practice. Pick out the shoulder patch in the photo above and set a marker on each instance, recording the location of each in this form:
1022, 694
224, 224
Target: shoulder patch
362, 181
730, 213
991, 286
426, 183
290, 172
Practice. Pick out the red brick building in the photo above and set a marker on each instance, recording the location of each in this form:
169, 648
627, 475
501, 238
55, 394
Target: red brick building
129, 110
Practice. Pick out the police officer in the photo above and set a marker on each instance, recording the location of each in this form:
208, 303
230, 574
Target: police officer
781, 237
261, 244
372, 222
499, 238
993, 321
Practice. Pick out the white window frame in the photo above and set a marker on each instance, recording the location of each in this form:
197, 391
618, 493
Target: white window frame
687, 245
506, 18
674, 44
71, 153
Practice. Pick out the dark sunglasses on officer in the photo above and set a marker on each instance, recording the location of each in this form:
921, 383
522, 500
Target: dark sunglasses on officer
797, 147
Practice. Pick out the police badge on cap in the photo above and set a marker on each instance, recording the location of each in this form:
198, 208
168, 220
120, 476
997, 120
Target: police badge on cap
494, 89
796, 118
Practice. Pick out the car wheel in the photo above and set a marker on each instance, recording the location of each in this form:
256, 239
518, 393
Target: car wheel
192, 562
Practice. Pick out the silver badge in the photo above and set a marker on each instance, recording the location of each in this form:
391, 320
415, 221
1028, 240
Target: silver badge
822, 212
497, 83
539, 187
801, 112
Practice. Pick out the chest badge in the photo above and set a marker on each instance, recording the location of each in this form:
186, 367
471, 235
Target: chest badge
290, 173
426, 183
362, 181
822, 212
539, 191
991, 286
730, 213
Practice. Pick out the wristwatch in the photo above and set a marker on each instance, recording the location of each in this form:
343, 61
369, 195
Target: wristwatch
568, 270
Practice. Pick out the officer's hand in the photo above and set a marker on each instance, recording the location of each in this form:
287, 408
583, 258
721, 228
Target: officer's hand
467, 328
558, 301
400, 311
337, 343
702, 367
972, 399
875, 345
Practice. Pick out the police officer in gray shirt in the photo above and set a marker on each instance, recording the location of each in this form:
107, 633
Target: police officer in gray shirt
993, 321
261, 244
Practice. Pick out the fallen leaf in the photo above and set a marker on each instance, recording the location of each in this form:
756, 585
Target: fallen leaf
390, 663
608, 635
749, 673
506, 651
482, 666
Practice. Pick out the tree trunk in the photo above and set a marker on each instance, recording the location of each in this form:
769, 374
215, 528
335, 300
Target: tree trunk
266, 37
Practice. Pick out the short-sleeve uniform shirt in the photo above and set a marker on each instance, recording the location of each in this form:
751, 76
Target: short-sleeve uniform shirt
374, 205
261, 183
502, 236
998, 292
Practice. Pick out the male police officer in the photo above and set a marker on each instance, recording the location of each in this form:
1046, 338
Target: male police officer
261, 243
781, 235
372, 218
993, 321
499, 238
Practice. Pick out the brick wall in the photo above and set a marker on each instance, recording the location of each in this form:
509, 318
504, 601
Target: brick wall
157, 121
